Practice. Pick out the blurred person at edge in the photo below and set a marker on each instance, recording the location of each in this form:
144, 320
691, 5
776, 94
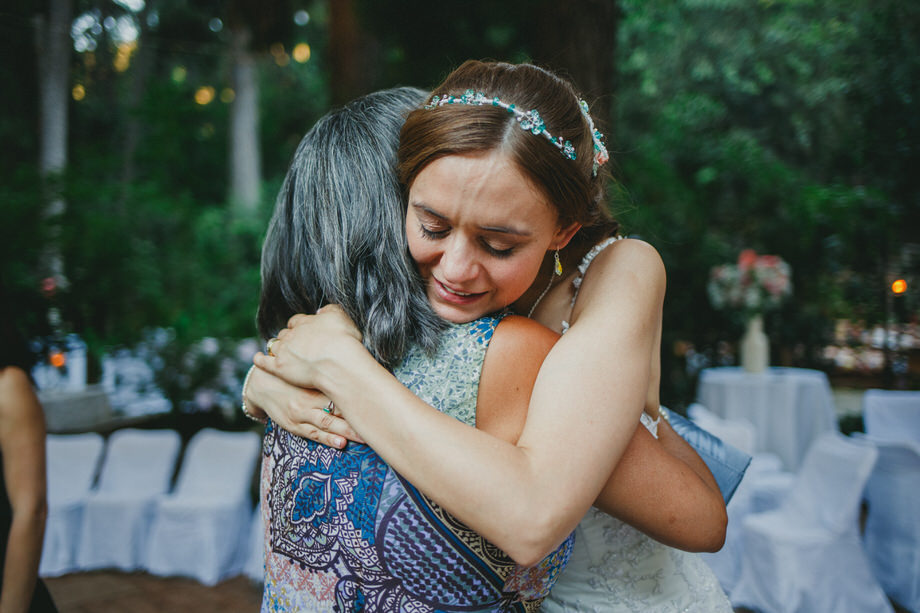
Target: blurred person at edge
23, 505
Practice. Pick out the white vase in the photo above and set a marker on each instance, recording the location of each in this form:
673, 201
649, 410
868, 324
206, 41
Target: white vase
755, 346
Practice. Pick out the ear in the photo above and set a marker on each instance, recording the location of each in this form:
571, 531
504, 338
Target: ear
564, 235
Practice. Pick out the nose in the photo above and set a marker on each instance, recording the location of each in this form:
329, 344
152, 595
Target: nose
458, 263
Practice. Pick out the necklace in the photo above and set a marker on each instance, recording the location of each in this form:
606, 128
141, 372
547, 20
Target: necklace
540, 297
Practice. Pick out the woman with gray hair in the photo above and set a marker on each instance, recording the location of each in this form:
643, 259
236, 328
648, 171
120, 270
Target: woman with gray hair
344, 531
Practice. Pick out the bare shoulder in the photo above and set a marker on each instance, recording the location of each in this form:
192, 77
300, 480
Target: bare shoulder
628, 273
513, 360
627, 256
17, 397
517, 335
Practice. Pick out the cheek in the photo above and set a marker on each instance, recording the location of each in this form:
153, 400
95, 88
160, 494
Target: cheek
420, 250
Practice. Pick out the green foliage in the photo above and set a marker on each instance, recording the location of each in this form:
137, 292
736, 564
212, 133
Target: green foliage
785, 126
743, 126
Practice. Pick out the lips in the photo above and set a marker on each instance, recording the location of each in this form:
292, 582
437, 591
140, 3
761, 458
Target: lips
453, 296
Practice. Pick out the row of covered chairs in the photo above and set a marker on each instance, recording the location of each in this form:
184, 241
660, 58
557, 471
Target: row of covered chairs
794, 542
113, 503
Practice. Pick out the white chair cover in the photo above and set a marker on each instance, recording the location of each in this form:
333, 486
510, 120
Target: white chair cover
763, 488
736, 432
72, 462
892, 414
892, 533
138, 467
201, 529
255, 563
807, 555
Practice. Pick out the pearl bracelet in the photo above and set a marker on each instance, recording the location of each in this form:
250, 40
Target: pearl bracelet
261, 420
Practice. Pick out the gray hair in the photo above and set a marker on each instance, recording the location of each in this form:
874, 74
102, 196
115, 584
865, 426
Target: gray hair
337, 234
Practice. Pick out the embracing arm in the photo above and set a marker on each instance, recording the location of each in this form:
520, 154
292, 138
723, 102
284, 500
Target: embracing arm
22, 441
657, 489
659, 486
524, 497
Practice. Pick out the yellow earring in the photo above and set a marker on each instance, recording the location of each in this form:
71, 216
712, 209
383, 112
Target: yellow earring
557, 265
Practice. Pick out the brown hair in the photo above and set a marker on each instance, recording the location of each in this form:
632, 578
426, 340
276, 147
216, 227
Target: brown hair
569, 185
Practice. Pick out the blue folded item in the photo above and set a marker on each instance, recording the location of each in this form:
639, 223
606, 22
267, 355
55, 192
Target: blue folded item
726, 463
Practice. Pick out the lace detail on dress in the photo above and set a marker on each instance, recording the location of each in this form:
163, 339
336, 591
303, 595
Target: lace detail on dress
583, 267
615, 568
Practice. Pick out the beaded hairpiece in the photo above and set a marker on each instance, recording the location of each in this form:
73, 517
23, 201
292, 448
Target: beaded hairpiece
530, 121
600, 151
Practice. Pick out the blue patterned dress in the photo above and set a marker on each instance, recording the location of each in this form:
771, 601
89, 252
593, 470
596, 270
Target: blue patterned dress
345, 532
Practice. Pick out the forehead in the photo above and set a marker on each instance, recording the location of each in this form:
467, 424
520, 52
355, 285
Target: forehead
488, 185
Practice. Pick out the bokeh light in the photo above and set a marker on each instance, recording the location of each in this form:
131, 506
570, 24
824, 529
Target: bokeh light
301, 53
227, 95
78, 92
204, 95
57, 359
899, 286
123, 55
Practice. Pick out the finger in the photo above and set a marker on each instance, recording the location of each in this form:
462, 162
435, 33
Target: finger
325, 429
329, 308
298, 319
268, 363
334, 424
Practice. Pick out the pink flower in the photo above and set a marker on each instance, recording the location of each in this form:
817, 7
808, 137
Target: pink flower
746, 259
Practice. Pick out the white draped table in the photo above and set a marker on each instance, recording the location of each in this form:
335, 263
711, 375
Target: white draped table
789, 407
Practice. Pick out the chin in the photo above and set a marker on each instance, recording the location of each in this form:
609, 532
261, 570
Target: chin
455, 315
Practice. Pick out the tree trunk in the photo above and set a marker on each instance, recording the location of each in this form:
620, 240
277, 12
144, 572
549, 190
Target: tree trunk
350, 56
52, 42
245, 153
133, 126
579, 39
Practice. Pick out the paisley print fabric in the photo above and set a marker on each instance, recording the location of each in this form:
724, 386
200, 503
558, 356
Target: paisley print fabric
347, 533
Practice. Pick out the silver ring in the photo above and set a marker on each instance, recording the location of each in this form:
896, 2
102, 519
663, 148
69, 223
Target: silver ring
329, 408
271, 343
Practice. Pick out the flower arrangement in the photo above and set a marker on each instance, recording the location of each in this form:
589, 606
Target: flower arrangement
755, 284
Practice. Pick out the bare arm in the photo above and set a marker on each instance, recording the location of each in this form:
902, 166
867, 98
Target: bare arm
654, 489
22, 441
584, 409
660, 487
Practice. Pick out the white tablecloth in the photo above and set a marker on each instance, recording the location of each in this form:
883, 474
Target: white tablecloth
789, 407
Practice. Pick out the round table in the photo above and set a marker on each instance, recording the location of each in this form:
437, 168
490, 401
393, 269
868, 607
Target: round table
789, 407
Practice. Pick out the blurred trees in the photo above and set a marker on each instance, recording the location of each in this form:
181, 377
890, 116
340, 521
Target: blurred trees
753, 125
786, 126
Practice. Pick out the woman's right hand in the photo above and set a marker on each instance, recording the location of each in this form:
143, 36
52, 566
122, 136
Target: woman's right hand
308, 344
297, 410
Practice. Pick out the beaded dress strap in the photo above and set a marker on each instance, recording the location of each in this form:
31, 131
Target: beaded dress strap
583, 267
650, 424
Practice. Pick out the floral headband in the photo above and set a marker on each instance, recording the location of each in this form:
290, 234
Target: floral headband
530, 121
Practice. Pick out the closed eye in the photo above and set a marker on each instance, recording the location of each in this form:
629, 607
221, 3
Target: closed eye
499, 253
432, 234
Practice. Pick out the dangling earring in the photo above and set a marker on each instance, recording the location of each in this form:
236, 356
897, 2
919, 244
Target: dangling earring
557, 265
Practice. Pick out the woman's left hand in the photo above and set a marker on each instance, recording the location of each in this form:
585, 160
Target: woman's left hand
304, 412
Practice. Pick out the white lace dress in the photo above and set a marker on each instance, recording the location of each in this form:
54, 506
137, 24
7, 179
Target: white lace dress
615, 568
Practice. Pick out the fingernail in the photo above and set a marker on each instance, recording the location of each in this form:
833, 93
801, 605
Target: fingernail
339, 443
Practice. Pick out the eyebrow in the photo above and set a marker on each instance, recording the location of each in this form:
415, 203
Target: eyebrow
420, 206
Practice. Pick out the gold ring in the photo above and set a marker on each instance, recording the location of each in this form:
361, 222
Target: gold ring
329, 408
271, 343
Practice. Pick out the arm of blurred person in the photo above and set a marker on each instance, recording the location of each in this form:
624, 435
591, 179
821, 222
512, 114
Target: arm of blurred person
22, 444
